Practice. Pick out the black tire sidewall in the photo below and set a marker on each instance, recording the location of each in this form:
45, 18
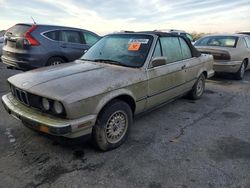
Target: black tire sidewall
99, 129
238, 75
194, 90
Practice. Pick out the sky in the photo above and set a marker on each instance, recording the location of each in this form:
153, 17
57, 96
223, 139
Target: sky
107, 16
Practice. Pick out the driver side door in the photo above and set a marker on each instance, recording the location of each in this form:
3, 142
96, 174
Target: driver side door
166, 82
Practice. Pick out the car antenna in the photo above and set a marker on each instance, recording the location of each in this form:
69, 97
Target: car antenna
33, 20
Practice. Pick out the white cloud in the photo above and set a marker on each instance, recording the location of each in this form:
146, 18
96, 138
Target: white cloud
109, 16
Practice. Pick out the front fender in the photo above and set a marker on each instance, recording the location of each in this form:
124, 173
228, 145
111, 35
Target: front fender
107, 97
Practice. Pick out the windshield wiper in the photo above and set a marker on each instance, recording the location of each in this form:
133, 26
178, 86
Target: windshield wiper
110, 61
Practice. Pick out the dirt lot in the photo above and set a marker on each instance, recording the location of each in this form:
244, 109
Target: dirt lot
185, 144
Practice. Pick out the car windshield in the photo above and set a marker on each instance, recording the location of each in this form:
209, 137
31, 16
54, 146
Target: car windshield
221, 41
129, 50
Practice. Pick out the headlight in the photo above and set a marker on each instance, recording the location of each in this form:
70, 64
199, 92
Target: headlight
46, 104
58, 108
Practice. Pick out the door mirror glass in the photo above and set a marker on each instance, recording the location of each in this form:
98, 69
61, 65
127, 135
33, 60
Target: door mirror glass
159, 61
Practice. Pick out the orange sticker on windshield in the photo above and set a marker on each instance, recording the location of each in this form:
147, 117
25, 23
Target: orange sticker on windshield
134, 46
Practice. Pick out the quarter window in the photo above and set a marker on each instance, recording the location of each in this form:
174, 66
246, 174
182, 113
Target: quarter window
247, 39
189, 37
90, 39
157, 52
171, 49
70, 36
53, 35
186, 52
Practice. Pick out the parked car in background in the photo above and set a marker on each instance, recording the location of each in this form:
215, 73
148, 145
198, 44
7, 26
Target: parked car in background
29, 46
179, 32
2, 32
1, 45
231, 52
183, 33
245, 32
101, 92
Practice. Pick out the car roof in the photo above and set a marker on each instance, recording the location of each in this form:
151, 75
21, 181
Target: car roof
226, 34
55, 26
157, 33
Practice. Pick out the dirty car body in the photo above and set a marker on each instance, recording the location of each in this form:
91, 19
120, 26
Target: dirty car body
231, 52
120, 76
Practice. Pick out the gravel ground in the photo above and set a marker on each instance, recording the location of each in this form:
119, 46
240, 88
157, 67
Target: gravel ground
184, 144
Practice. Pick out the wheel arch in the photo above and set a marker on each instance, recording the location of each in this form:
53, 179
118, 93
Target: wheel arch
126, 97
247, 62
60, 56
202, 71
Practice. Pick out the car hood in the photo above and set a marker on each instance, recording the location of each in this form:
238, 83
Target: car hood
77, 80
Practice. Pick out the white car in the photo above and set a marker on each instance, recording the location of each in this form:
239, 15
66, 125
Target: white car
231, 52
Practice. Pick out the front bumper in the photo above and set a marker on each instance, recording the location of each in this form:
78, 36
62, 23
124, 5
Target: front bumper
227, 66
49, 124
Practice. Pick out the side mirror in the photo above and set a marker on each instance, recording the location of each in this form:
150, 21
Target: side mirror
159, 61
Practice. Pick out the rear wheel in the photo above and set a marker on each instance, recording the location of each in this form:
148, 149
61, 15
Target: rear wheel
198, 88
55, 61
240, 74
111, 129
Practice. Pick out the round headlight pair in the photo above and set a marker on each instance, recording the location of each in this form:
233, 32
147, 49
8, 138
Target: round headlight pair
48, 105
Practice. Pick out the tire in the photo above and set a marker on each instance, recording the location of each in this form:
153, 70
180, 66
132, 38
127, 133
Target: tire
108, 135
55, 61
198, 88
240, 74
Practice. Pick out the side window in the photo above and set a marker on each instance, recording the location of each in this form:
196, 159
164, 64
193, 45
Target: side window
90, 39
171, 49
157, 52
247, 39
186, 52
53, 35
70, 36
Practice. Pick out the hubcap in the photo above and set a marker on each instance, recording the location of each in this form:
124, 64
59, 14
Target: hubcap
56, 63
116, 127
200, 87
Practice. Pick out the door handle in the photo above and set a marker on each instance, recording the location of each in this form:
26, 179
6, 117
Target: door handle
183, 67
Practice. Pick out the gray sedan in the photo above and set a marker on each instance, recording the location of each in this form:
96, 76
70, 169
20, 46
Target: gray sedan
231, 52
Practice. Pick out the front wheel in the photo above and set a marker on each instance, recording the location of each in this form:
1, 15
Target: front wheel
240, 74
112, 126
198, 88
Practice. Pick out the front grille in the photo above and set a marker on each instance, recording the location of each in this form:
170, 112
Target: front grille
21, 95
26, 98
